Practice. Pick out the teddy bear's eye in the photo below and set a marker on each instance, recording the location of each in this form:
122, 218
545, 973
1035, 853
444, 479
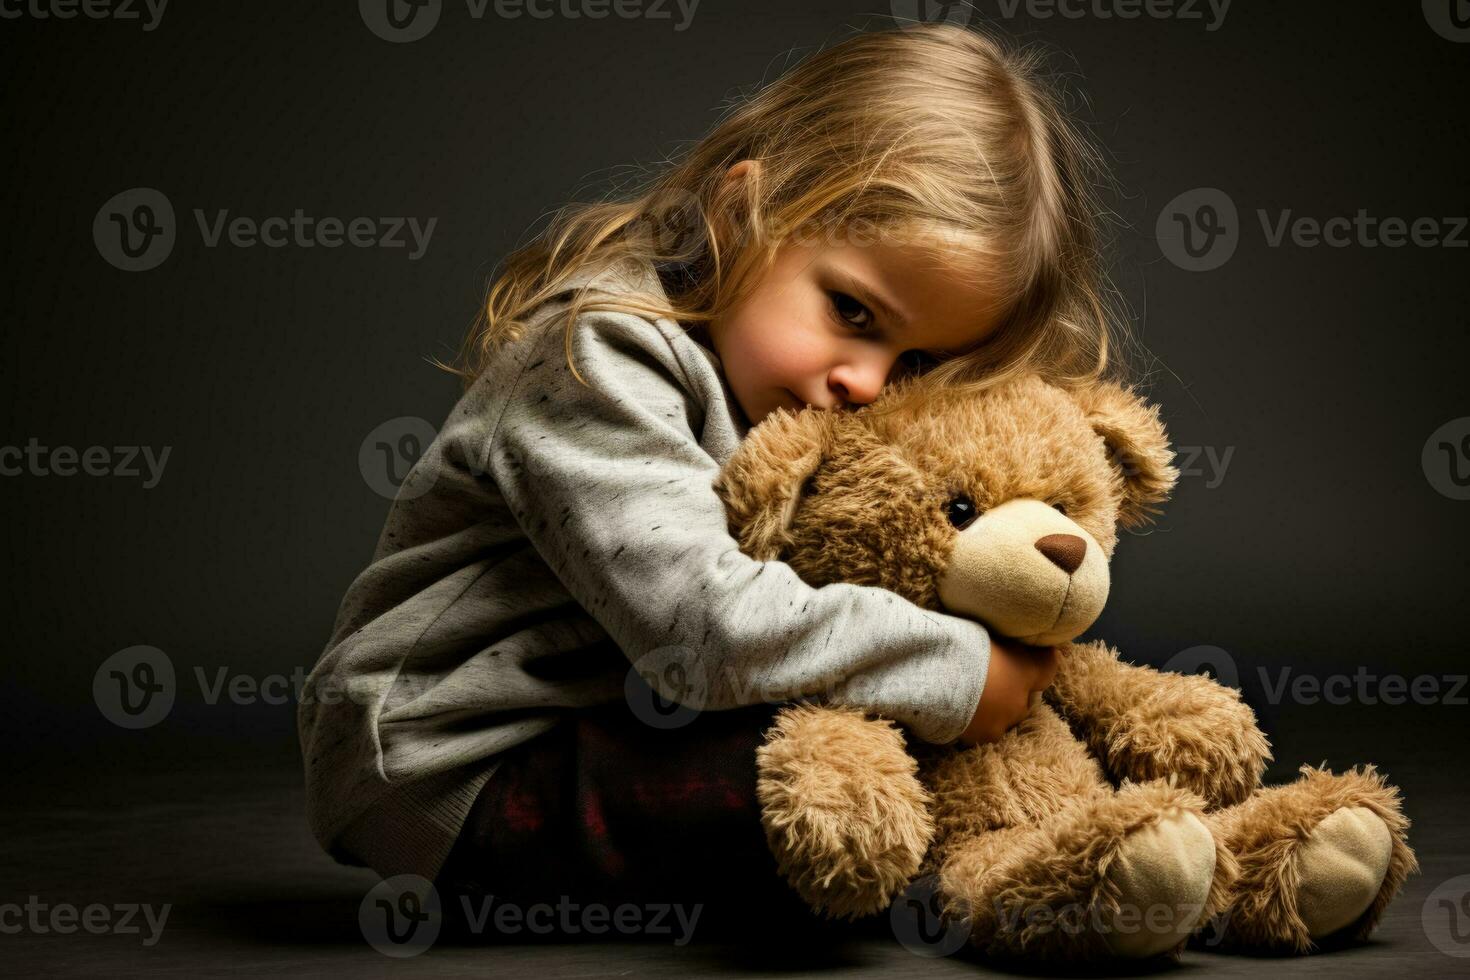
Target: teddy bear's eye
961, 512
1060, 509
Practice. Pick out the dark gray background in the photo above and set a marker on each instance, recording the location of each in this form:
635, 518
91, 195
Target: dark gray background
1326, 548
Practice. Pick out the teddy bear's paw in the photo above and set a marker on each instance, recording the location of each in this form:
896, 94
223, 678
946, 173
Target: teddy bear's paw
1162, 874
1122, 875
1194, 731
843, 809
1342, 867
1321, 857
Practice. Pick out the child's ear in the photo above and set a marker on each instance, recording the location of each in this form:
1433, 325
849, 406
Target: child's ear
763, 483
1138, 448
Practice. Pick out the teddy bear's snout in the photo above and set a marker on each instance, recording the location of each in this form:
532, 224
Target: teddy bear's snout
1066, 551
1026, 571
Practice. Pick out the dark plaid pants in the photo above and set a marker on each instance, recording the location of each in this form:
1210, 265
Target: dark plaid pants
605, 808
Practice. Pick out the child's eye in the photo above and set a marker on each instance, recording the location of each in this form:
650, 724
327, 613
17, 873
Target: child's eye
846, 308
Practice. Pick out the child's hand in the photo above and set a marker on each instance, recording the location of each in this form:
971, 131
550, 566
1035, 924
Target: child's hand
1015, 672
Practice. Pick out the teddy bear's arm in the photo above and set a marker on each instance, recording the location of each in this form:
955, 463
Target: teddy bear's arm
1145, 724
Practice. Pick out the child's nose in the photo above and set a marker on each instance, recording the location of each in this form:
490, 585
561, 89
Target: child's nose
858, 384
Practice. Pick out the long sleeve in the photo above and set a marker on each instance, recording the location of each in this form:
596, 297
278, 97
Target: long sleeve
611, 484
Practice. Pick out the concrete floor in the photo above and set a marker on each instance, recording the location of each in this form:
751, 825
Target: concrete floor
219, 836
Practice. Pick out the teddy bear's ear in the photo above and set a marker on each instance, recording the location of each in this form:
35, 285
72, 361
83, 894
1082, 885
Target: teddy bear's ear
1138, 448
763, 483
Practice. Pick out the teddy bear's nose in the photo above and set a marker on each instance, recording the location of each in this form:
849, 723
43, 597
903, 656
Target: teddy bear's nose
1066, 551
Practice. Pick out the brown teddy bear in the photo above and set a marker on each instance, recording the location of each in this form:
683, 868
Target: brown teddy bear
1126, 812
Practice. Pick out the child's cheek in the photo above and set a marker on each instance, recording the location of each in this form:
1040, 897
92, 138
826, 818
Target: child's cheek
790, 356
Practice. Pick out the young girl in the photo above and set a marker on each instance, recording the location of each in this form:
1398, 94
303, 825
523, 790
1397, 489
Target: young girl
904, 200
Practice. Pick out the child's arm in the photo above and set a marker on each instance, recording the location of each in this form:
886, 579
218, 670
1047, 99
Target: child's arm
613, 486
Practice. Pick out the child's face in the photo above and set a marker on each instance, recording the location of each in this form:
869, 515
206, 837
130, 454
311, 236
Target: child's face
814, 331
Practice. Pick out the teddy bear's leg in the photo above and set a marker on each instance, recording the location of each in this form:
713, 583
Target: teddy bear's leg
1125, 875
844, 813
1047, 862
1319, 857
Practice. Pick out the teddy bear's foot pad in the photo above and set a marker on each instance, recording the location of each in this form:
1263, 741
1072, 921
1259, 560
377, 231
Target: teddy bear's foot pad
1342, 866
1163, 874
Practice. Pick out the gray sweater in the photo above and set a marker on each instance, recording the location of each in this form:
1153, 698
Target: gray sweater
552, 536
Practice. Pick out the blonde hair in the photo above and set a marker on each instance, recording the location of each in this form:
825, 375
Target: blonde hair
943, 132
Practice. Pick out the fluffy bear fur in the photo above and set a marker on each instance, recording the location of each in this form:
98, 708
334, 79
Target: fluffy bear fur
1124, 783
